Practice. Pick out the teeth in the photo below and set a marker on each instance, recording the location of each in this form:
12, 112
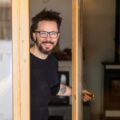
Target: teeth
47, 43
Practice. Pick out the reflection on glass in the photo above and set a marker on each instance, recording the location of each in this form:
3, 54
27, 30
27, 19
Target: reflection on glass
5, 61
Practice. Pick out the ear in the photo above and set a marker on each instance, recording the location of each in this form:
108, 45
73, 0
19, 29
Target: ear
34, 36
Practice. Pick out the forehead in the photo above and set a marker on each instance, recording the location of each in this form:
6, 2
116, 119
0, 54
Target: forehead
47, 25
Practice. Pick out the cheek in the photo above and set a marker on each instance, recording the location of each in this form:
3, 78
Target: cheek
55, 41
39, 40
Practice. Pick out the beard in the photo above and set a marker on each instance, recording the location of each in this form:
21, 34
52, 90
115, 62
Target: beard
46, 51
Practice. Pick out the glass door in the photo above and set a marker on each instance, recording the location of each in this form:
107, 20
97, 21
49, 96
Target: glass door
20, 33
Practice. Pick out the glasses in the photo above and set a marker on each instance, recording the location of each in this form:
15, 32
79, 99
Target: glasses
44, 34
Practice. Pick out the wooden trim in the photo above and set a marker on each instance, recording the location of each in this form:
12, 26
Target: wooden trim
76, 61
20, 36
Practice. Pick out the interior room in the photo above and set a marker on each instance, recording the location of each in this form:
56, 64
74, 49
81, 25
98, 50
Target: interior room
59, 107
100, 34
101, 57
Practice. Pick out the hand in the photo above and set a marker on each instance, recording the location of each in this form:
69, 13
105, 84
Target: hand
87, 96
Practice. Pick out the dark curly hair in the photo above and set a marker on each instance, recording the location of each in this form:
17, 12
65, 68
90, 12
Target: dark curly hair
49, 15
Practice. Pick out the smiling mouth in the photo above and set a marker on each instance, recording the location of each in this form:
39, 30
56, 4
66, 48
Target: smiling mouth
47, 43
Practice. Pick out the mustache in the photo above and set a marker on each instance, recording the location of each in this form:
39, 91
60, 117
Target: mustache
48, 42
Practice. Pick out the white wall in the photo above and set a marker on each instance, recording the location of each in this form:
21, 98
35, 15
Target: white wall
62, 6
99, 37
5, 80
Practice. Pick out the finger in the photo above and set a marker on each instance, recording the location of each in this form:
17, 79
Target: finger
88, 94
86, 98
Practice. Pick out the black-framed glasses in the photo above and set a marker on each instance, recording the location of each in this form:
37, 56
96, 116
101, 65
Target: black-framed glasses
44, 34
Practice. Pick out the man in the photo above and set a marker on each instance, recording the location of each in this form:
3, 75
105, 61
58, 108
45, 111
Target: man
45, 32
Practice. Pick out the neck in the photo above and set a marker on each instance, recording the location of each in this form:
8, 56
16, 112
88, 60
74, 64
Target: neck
36, 52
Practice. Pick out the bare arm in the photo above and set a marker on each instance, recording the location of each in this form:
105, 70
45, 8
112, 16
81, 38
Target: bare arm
67, 91
64, 90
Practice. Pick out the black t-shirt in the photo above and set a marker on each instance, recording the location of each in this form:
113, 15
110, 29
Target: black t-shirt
44, 82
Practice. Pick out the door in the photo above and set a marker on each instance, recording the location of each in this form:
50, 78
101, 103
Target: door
20, 34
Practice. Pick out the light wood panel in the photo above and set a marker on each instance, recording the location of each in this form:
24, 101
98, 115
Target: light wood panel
76, 61
20, 36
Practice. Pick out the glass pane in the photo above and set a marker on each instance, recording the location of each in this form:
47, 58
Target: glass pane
5, 60
100, 63
59, 107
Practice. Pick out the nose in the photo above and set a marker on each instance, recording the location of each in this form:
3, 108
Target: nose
48, 37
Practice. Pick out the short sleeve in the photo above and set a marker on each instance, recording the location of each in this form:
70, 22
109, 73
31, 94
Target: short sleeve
55, 89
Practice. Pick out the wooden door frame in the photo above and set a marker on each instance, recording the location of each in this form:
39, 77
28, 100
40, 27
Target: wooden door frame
21, 66
21, 76
76, 60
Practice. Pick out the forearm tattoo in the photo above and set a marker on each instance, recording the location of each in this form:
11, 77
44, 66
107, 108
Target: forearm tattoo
63, 89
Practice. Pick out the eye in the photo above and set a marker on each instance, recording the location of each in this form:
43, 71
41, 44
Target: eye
43, 34
53, 34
